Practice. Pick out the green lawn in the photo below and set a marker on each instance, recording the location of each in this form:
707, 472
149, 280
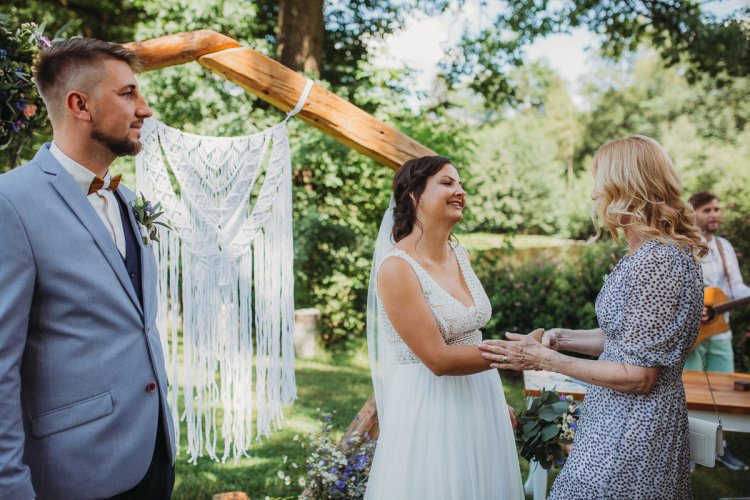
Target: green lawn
487, 241
339, 387
325, 387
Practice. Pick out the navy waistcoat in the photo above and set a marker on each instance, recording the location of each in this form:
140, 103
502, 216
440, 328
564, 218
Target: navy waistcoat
132, 250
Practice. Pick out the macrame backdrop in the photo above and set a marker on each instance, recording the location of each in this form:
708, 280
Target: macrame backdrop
229, 258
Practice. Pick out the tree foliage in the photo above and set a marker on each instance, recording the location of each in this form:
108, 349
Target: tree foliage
681, 31
514, 180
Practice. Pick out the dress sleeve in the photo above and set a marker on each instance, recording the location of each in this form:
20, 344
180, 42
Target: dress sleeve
654, 315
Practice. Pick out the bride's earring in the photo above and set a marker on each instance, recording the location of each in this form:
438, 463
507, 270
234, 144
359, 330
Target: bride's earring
421, 203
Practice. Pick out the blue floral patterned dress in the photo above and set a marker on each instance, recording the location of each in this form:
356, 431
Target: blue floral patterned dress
635, 446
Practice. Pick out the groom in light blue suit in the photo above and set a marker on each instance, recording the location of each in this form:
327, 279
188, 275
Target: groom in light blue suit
83, 388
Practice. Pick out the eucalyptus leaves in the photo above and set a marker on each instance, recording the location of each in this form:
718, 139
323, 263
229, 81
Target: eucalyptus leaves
546, 426
146, 214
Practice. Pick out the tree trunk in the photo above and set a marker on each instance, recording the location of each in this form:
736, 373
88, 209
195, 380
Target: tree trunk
300, 30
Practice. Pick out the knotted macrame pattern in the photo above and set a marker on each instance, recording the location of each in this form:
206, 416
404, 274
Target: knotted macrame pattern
228, 257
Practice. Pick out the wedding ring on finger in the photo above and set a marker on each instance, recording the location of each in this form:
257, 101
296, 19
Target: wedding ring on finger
502, 358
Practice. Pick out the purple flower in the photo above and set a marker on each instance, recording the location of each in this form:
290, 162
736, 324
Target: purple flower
149, 208
44, 42
3, 54
360, 462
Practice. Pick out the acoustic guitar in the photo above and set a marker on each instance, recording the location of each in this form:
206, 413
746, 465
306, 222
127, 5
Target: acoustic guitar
717, 304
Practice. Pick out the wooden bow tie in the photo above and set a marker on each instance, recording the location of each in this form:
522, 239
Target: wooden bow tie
99, 183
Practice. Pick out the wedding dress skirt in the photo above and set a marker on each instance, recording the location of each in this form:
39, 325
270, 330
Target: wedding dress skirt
449, 437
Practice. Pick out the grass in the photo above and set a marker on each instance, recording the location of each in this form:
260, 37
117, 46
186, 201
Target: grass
326, 386
339, 387
488, 241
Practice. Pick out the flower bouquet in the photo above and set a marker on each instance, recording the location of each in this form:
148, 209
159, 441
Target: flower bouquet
334, 470
22, 112
546, 426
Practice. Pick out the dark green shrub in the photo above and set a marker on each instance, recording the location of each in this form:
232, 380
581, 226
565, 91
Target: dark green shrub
333, 270
545, 291
735, 229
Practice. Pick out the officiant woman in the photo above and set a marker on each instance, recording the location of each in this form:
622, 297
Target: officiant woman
632, 438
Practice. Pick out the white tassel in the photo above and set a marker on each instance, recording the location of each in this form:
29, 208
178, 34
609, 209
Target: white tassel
222, 247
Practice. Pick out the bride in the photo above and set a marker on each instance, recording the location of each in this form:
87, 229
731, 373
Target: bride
445, 429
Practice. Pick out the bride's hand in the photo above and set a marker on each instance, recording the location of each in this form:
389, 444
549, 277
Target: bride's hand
521, 352
512, 413
538, 335
551, 338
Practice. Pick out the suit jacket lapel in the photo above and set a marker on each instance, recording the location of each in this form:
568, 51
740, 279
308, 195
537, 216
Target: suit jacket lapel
71, 193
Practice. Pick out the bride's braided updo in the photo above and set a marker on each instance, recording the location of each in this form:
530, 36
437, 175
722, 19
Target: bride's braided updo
411, 179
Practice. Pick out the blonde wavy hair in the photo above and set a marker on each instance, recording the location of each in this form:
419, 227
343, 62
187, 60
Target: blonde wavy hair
638, 189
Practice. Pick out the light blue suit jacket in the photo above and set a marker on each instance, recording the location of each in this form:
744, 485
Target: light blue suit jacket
77, 350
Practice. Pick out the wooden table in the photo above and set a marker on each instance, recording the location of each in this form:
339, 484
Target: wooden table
734, 406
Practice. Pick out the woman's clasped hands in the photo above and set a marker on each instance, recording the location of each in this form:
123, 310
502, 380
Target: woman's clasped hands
522, 352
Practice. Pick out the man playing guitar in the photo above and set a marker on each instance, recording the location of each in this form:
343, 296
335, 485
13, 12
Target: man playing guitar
720, 270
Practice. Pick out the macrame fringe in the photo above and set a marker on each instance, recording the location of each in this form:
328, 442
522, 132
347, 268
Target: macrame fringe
229, 259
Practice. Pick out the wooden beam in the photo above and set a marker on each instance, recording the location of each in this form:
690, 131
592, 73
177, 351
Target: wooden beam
181, 48
281, 87
365, 423
335, 116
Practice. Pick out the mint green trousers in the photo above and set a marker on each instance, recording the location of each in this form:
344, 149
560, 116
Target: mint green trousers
718, 354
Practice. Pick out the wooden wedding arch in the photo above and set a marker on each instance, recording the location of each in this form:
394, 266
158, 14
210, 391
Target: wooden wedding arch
280, 86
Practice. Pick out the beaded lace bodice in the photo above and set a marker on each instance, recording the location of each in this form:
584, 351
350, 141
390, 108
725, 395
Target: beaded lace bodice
458, 324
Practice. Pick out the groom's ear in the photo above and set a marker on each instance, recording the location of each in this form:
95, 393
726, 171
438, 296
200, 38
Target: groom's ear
77, 104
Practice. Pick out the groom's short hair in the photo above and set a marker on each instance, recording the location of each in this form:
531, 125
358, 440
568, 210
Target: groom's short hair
58, 68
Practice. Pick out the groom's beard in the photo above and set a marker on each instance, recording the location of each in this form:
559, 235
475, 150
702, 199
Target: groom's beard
118, 146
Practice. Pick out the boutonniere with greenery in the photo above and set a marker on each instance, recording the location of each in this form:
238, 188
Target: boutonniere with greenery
547, 427
146, 214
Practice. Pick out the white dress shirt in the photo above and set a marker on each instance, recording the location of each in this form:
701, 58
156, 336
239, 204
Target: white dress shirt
713, 275
104, 202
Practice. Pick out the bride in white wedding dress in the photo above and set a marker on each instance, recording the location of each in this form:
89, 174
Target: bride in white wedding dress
445, 429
